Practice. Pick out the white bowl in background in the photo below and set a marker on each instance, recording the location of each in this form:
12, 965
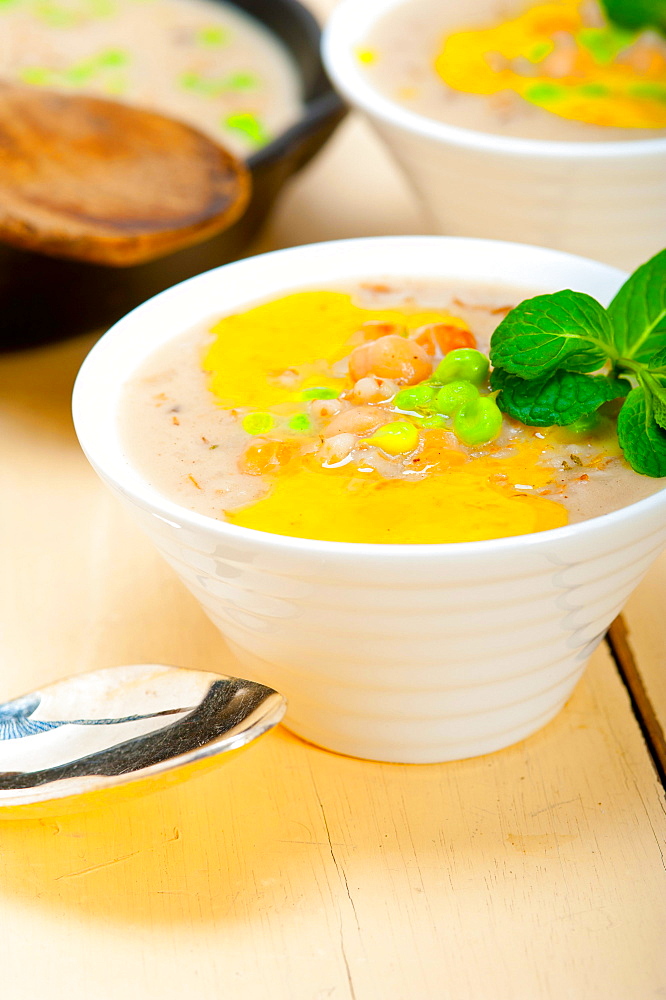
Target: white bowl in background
412, 653
605, 200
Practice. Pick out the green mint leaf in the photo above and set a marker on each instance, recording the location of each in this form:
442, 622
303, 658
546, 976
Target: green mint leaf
637, 14
658, 361
567, 330
659, 412
655, 395
641, 439
559, 398
638, 311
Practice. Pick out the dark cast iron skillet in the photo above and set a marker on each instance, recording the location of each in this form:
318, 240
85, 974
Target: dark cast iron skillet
45, 298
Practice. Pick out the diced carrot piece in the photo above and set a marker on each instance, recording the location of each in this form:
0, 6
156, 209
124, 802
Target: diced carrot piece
443, 336
372, 329
266, 455
439, 451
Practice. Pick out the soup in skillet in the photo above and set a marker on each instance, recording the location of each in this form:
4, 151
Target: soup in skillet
202, 61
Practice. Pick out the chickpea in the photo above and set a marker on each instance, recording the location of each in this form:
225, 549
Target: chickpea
641, 57
397, 358
357, 420
325, 409
337, 448
562, 61
371, 389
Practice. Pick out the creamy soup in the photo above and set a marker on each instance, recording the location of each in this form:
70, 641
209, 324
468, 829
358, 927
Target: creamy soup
325, 414
549, 70
206, 63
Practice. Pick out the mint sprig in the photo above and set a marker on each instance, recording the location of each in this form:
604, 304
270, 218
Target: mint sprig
560, 398
640, 435
638, 311
544, 350
637, 14
566, 330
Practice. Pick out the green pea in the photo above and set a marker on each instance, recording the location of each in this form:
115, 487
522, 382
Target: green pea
395, 438
414, 398
212, 35
462, 365
604, 44
479, 421
539, 51
190, 81
454, 395
544, 93
319, 392
39, 76
81, 73
112, 58
593, 90
52, 14
651, 91
249, 126
241, 81
434, 420
258, 423
301, 422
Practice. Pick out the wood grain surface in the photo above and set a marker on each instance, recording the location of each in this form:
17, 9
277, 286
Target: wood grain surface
536, 873
102, 182
293, 872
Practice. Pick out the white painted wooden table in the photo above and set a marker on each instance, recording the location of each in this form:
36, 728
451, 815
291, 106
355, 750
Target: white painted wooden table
293, 873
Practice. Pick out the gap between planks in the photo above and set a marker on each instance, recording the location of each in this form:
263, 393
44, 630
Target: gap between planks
619, 645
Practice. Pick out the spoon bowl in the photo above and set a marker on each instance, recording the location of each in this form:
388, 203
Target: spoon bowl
66, 745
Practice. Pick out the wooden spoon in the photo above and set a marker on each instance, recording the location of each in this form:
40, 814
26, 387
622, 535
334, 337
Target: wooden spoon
106, 183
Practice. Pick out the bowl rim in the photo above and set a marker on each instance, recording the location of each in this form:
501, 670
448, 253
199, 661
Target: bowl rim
339, 37
320, 100
120, 473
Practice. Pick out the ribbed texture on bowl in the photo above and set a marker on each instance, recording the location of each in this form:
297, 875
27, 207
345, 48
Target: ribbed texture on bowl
412, 653
417, 659
613, 210
605, 200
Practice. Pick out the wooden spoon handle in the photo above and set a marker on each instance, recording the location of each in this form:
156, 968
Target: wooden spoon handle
106, 183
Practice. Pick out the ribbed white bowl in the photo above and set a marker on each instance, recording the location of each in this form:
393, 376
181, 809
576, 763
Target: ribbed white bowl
413, 653
601, 199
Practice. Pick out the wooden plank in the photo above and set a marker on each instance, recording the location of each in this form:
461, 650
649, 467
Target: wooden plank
294, 873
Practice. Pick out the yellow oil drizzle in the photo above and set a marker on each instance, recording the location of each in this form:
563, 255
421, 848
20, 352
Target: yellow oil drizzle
462, 504
250, 349
599, 90
465, 499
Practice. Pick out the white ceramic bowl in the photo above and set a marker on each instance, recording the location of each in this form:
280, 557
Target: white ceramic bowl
413, 653
605, 200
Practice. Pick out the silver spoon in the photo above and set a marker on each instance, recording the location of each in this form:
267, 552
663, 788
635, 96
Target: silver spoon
109, 727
